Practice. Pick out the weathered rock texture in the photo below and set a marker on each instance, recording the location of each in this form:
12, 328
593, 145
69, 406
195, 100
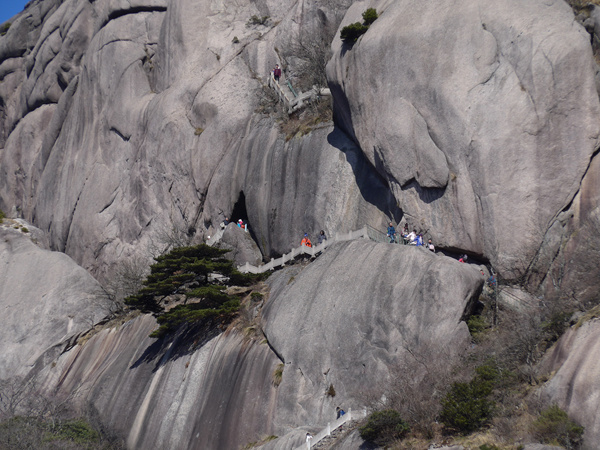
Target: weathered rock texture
45, 299
576, 385
126, 119
221, 394
482, 116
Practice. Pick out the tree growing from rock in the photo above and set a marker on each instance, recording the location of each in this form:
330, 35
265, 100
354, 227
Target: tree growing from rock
196, 278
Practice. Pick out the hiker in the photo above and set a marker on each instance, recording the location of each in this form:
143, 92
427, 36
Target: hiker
463, 259
276, 72
309, 439
419, 240
322, 237
224, 224
405, 231
391, 233
306, 241
492, 281
241, 224
412, 237
339, 412
430, 246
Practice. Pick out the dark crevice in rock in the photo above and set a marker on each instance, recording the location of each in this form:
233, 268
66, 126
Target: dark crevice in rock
274, 351
371, 184
426, 195
135, 10
121, 135
531, 268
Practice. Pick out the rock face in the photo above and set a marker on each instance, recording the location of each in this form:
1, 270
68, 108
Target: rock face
45, 299
481, 116
576, 385
222, 393
241, 245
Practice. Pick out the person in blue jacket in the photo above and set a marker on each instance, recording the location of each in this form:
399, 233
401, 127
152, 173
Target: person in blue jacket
391, 233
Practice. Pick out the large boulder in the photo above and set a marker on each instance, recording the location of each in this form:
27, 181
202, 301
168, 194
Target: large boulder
482, 116
575, 386
223, 390
241, 246
331, 331
46, 299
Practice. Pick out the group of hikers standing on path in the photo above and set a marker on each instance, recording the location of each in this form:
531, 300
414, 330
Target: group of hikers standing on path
408, 238
306, 240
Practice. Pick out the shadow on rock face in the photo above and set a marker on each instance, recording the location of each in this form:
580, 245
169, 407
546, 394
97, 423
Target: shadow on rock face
372, 187
187, 340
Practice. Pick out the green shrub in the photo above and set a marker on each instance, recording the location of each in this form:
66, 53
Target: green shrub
4, 28
554, 426
78, 431
2, 216
468, 406
476, 324
25, 229
255, 20
256, 296
369, 16
489, 447
352, 32
384, 427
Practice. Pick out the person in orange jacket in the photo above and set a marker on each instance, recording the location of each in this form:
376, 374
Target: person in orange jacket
306, 241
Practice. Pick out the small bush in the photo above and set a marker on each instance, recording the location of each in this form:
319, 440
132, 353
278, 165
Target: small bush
489, 447
255, 20
198, 131
477, 325
256, 296
468, 406
235, 40
369, 16
555, 427
330, 392
78, 431
352, 32
25, 229
278, 375
2, 216
4, 28
384, 427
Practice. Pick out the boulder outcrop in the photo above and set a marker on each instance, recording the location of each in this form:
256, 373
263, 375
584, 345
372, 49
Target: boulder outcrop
224, 391
481, 116
46, 299
575, 386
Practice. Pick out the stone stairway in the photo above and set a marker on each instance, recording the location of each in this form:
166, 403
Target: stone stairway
333, 430
295, 100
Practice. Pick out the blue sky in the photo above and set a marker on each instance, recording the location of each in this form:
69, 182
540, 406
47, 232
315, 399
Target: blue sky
9, 8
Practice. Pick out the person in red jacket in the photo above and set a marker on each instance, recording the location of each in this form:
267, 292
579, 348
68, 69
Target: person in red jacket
277, 72
306, 241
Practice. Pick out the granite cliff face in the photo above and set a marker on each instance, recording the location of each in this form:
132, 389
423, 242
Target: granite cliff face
222, 393
120, 121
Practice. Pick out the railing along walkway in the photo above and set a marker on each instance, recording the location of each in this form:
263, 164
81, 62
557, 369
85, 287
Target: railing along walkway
293, 100
332, 426
304, 250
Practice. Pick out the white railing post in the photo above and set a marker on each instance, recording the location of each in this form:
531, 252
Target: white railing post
328, 428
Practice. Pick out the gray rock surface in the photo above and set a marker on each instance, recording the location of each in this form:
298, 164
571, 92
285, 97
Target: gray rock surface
45, 299
576, 385
329, 330
541, 447
219, 392
485, 139
241, 245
